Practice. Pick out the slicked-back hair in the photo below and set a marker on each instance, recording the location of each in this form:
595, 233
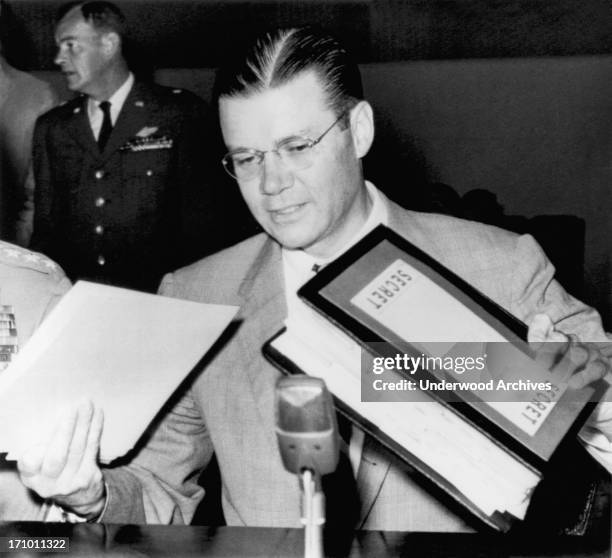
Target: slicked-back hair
277, 57
101, 15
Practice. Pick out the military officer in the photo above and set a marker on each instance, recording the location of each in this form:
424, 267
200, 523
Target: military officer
30, 285
120, 194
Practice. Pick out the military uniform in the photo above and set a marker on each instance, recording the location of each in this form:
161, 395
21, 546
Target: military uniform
139, 208
30, 285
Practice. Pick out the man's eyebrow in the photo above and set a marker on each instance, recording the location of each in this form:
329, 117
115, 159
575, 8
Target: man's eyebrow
304, 133
66, 38
294, 136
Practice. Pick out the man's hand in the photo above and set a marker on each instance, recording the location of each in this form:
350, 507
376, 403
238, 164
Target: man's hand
582, 363
65, 469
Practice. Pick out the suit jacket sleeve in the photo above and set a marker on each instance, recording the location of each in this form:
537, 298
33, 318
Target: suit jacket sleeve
159, 483
535, 290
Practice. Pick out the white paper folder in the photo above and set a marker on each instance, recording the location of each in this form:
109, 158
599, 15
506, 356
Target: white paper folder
124, 350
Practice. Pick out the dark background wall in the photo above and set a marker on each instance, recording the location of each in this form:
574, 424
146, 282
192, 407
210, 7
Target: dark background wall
511, 96
196, 33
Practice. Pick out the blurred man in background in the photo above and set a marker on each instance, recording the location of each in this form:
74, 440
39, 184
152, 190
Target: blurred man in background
23, 98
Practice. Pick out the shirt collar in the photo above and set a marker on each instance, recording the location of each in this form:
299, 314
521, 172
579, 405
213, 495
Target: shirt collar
117, 99
298, 264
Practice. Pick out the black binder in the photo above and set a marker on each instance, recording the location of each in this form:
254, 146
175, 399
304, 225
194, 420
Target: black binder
330, 293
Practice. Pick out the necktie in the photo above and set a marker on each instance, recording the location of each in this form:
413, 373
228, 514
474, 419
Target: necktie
107, 125
342, 503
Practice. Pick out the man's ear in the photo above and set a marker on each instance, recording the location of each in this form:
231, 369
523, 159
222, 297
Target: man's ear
362, 127
111, 43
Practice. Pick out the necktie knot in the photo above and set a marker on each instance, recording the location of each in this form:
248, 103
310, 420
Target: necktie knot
105, 107
107, 124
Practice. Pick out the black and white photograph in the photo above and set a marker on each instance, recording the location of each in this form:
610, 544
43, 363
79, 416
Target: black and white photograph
306, 278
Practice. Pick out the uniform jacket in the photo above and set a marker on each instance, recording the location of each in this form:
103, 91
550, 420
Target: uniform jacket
31, 284
230, 406
138, 209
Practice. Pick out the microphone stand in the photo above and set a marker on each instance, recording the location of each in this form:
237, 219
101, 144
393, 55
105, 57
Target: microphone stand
313, 513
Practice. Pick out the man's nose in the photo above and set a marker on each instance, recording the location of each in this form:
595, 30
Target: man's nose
60, 58
276, 176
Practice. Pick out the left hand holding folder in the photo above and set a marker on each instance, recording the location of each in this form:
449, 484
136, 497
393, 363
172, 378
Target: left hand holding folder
584, 361
588, 363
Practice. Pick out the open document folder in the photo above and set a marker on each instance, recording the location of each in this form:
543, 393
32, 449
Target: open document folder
124, 350
454, 455
488, 447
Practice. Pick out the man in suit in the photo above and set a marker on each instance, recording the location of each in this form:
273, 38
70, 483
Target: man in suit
121, 194
296, 126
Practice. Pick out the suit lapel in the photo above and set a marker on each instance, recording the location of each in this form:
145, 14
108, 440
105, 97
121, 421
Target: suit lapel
371, 474
134, 116
263, 311
79, 128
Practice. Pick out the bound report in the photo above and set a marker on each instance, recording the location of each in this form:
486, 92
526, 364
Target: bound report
436, 371
125, 351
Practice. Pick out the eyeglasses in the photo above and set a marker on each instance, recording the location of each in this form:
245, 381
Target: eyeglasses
295, 153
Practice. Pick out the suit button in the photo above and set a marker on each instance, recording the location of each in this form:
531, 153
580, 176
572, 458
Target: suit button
99, 229
149, 172
101, 260
99, 174
100, 202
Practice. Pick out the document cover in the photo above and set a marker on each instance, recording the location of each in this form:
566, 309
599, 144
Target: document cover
386, 301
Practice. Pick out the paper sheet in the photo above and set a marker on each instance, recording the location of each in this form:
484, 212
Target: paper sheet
126, 351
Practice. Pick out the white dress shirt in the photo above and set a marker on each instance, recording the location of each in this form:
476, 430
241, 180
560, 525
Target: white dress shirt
117, 100
298, 269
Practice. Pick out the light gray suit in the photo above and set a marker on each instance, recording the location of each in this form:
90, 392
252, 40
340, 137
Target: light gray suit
229, 408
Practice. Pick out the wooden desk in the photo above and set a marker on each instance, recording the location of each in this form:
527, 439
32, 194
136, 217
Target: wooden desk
223, 542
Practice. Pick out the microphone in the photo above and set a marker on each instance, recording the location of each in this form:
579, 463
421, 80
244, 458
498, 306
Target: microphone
306, 426
308, 440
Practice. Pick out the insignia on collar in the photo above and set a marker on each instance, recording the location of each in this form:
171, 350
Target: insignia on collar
139, 104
